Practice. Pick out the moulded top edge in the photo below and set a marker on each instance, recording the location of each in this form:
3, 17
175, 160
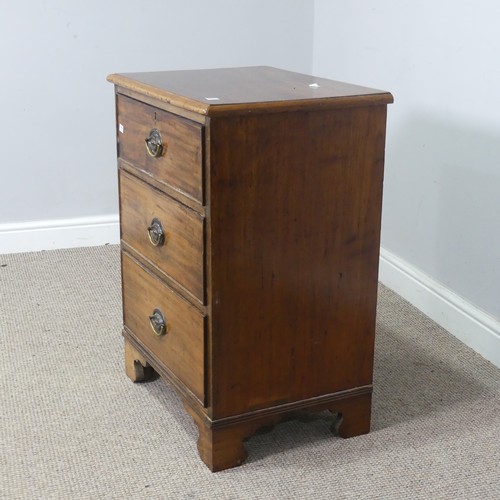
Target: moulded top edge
236, 90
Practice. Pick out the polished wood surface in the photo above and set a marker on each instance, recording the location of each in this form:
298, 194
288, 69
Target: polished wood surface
175, 194
182, 347
163, 104
294, 254
181, 164
229, 90
181, 256
268, 279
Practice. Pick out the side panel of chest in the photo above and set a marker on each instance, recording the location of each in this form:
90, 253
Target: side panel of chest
295, 205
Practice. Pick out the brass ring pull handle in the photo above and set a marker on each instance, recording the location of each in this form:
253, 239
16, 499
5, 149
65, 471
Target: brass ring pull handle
154, 144
158, 323
156, 233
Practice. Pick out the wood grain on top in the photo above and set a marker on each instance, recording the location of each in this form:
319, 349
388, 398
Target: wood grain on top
227, 90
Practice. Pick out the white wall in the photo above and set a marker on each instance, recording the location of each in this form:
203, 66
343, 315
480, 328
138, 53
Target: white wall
441, 216
441, 228
56, 131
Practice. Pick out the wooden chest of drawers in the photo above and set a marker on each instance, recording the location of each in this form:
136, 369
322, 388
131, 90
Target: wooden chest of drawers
250, 202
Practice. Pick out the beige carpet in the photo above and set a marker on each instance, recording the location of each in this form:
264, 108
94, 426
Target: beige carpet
73, 426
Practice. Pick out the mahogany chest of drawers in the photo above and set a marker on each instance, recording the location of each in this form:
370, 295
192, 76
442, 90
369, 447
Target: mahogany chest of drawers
250, 204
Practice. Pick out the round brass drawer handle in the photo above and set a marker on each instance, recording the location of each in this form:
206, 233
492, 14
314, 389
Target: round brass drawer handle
154, 144
158, 323
156, 233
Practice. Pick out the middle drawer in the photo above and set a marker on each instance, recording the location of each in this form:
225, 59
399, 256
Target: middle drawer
168, 234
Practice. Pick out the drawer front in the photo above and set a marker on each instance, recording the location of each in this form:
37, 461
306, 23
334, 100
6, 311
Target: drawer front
146, 214
179, 160
181, 346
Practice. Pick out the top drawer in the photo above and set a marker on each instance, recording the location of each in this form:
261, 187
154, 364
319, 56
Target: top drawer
179, 160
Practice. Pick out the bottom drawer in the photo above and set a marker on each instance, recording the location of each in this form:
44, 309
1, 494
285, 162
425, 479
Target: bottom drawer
165, 324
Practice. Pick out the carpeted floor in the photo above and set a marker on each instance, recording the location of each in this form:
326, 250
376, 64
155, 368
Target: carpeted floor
73, 426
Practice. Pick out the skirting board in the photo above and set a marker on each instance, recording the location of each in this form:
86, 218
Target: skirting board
59, 233
462, 319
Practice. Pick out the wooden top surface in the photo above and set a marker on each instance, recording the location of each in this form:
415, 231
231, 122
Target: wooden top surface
228, 90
